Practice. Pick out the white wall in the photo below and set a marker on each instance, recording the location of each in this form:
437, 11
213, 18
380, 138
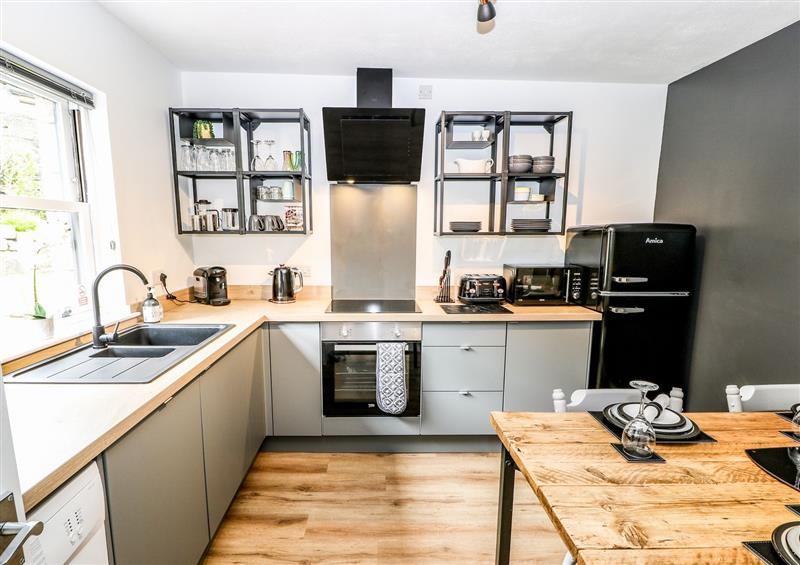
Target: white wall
137, 84
615, 151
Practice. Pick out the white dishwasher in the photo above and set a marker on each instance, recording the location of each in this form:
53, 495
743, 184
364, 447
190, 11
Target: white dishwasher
74, 523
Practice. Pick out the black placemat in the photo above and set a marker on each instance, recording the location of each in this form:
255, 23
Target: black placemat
655, 458
776, 462
764, 551
785, 415
793, 508
617, 432
791, 435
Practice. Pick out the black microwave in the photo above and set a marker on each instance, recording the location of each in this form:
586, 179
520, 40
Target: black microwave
535, 285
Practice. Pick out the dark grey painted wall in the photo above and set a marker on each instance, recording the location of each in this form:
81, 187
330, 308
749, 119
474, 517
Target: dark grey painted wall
729, 165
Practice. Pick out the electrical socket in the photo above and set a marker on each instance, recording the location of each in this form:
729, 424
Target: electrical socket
425, 92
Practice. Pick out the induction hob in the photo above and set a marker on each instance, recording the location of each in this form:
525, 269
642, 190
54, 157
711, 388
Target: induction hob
372, 307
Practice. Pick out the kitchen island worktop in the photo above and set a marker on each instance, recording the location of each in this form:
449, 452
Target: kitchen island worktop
60, 428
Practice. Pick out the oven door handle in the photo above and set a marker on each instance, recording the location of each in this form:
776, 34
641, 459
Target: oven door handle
357, 347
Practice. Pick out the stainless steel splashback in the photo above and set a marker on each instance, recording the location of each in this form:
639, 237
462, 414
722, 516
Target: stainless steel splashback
373, 241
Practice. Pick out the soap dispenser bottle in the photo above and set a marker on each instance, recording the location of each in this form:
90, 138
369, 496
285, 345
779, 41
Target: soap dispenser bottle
152, 312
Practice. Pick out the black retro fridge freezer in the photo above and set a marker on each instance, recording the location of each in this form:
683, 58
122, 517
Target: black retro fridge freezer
640, 277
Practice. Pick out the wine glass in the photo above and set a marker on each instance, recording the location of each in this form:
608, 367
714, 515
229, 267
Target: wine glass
270, 164
638, 436
794, 456
257, 162
796, 423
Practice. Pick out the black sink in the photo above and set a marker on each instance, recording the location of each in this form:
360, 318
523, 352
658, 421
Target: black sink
139, 355
167, 335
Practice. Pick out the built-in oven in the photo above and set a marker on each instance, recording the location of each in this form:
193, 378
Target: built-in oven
349, 366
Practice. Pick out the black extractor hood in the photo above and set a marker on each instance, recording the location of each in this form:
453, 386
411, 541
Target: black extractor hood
373, 143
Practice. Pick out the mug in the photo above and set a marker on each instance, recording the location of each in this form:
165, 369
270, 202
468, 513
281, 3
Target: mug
256, 223
485, 135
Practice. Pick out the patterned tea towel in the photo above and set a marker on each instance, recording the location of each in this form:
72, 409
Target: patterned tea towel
391, 387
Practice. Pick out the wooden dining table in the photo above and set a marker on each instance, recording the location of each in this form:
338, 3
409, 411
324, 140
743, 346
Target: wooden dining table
696, 508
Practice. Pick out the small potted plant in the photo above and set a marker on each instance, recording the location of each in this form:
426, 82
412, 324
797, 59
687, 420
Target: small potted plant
41, 323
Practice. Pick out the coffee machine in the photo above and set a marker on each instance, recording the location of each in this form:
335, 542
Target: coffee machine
211, 286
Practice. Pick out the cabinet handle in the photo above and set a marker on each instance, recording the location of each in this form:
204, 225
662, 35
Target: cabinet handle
625, 280
465, 348
464, 393
167, 401
630, 310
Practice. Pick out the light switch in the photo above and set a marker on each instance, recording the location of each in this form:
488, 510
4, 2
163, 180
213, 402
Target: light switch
425, 91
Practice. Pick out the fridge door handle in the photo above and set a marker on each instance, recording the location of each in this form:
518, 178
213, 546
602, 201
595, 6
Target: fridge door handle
626, 310
626, 280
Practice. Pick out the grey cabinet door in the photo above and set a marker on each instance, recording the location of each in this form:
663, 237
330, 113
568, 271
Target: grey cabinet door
541, 356
470, 368
234, 421
459, 413
295, 352
155, 486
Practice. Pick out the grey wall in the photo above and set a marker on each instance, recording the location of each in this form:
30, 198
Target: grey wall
729, 165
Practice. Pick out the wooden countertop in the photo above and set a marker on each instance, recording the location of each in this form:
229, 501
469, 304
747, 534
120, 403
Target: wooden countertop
60, 428
695, 509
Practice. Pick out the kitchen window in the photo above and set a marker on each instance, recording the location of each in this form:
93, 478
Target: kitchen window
47, 252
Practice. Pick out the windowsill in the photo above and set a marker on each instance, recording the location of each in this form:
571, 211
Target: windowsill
69, 330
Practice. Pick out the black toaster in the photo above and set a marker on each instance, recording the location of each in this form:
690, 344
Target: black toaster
482, 289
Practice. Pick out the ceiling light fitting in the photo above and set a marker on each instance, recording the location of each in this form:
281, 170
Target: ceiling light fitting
486, 11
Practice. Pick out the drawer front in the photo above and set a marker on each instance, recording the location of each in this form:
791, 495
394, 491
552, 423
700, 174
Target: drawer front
463, 368
451, 413
371, 426
465, 333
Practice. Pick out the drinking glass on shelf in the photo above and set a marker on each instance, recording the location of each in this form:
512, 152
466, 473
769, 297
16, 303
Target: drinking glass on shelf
187, 162
257, 162
228, 159
298, 161
288, 161
203, 159
214, 163
270, 163
638, 436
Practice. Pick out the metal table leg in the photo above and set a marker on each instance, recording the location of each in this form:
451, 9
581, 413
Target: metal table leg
505, 508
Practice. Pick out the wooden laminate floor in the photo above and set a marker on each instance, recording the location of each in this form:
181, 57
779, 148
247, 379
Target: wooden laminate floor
367, 508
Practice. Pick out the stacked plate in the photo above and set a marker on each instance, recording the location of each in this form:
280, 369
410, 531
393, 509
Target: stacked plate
669, 425
520, 164
543, 164
465, 226
523, 225
786, 541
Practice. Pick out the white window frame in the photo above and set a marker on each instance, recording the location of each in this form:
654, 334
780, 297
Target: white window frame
80, 129
69, 140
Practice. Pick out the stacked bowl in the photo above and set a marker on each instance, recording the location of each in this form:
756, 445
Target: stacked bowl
520, 164
543, 164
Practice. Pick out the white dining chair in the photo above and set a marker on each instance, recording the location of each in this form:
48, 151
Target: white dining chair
595, 399
584, 400
758, 398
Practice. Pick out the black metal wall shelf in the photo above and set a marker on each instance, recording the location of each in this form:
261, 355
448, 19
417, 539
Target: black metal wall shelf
235, 128
500, 183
